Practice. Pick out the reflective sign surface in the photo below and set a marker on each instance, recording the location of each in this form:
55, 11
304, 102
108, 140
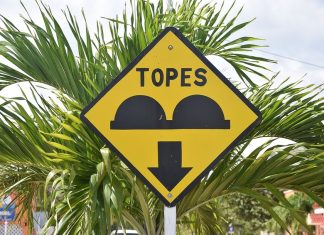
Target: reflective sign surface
171, 115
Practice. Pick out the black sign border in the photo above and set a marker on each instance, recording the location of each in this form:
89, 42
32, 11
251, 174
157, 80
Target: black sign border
212, 68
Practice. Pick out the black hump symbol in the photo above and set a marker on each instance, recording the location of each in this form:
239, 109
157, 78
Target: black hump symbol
199, 112
139, 112
193, 112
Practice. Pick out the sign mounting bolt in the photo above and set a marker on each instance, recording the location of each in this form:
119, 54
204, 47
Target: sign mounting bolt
170, 195
170, 47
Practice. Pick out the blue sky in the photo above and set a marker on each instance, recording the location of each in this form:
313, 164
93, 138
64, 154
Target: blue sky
292, 28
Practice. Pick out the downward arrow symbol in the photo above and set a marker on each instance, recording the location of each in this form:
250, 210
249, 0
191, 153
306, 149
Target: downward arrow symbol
170, 171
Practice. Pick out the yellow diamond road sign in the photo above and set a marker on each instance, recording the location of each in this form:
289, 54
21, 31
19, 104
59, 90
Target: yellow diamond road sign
170, 116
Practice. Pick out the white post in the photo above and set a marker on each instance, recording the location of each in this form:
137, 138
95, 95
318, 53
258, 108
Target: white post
6, 227
170, 220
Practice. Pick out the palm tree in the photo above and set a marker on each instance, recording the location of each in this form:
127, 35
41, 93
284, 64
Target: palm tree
47, 154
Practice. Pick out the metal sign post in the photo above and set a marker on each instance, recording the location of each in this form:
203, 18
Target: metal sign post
170, 220
5, 227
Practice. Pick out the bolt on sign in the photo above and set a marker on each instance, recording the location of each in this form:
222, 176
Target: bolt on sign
170, 116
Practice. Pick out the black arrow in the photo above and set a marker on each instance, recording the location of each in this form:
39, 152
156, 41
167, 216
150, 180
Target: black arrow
170, 171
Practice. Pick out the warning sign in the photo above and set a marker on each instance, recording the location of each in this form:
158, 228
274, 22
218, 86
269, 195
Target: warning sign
170, 116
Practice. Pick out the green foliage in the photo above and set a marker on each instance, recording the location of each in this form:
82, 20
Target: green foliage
244, 212
302, 203
47, 153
